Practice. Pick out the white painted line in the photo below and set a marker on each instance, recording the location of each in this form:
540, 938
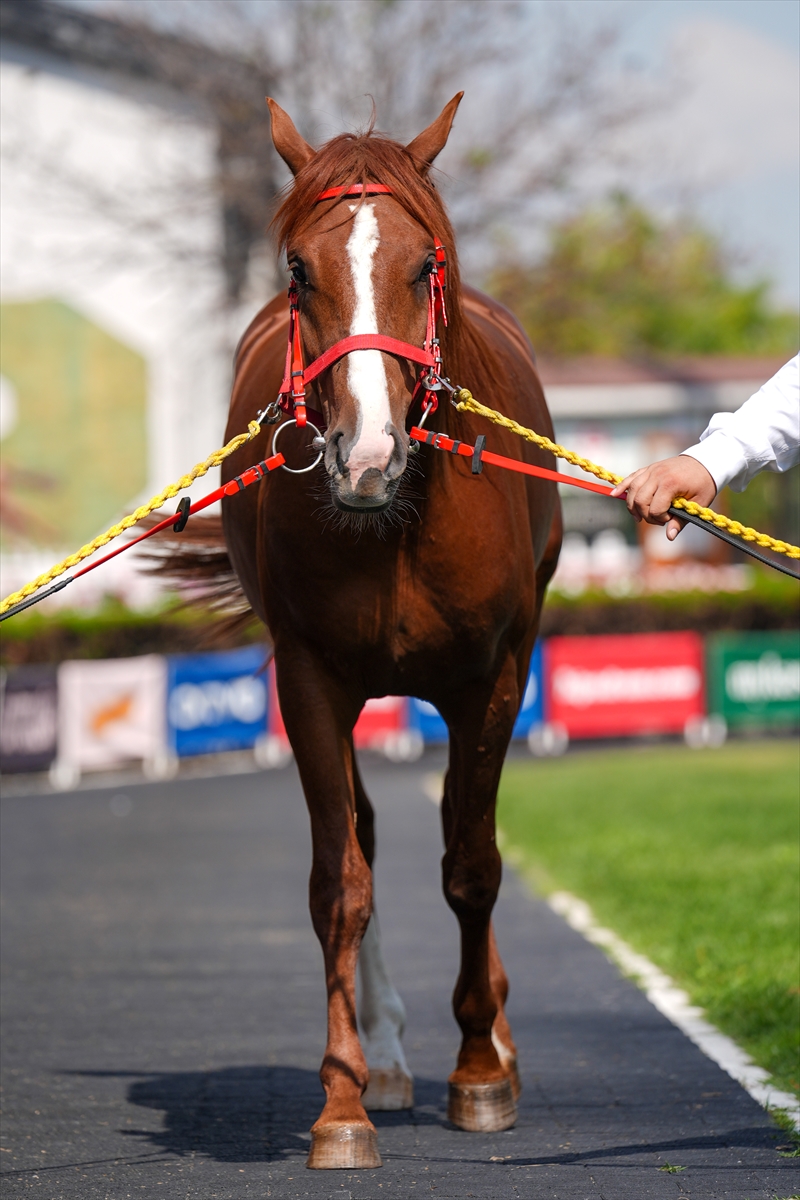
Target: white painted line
674, 1003
662, 992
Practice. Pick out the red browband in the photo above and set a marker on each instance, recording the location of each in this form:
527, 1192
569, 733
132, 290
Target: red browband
296, 377
357, 189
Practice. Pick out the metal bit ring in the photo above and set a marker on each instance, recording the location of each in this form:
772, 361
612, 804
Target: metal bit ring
308, 425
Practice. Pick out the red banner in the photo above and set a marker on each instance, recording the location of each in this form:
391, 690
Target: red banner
380, 721
636, 683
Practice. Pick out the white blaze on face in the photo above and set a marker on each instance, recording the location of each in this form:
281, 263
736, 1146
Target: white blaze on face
366, 372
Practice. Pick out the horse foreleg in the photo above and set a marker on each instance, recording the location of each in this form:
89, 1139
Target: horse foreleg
380, 1011
340, 895
481, 1093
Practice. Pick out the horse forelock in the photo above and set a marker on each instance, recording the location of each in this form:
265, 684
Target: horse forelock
350, 159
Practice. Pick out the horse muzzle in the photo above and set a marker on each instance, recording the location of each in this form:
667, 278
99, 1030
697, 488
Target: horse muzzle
360, 485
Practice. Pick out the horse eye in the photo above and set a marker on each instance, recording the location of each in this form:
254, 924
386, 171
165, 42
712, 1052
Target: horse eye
427, 270
298, 273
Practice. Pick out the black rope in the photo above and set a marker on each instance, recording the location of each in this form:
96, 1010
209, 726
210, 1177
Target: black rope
12, 612
733, 540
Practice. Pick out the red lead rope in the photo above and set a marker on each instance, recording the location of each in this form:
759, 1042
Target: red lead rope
479, 456
177, 520
296, 376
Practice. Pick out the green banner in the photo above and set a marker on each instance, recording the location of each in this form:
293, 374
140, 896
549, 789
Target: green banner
754, 678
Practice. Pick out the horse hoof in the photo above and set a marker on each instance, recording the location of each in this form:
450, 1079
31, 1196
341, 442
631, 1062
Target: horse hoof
343, 1147
482, 1107
389, 1089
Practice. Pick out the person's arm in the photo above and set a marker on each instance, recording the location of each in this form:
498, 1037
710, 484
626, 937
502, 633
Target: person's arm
763, 434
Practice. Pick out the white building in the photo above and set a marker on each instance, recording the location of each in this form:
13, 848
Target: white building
120, 275
625, 415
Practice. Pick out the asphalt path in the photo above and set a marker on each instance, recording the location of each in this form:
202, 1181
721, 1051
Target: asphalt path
164, 1017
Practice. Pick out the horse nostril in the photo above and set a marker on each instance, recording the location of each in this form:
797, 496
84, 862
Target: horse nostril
333, 455
399, 456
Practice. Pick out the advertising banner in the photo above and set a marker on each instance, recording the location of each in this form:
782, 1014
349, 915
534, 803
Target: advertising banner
381, 721
28, 718
111, 711
217, 701
425, 717
531, 710
754, 678
635, 683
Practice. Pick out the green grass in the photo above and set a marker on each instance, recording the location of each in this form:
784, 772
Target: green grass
692, 857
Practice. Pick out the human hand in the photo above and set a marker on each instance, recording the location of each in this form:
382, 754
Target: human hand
651, 490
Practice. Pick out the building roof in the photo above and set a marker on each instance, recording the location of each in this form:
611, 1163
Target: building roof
607, 389
710, 369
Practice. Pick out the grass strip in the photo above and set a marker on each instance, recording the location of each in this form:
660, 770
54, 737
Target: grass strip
693, 858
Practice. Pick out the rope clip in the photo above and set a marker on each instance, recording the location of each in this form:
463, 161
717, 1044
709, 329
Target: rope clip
271, 415
427, 409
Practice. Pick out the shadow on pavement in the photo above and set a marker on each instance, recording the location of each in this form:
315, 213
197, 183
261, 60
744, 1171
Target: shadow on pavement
264, 1114
248, 1114
752, 1136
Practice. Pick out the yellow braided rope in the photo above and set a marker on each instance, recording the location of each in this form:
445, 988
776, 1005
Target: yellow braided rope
465, 402
139, 514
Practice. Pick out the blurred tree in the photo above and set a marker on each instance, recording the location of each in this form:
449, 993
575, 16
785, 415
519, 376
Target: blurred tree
618, 282
546, 95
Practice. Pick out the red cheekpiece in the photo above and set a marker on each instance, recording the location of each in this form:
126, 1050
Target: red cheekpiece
296, 376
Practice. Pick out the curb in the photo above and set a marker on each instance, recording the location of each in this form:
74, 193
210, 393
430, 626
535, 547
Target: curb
671, 1000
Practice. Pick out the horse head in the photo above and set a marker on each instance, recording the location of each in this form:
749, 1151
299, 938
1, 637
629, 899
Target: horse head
362, 265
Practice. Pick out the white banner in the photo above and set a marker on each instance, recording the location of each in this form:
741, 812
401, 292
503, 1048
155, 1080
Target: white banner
112, 711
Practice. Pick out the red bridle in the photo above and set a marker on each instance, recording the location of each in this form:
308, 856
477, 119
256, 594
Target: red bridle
296, 376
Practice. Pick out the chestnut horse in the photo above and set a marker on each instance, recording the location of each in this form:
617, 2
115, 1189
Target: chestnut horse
378, 580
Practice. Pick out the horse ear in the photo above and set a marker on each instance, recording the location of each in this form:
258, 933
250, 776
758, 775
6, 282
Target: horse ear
294, 150
426, 145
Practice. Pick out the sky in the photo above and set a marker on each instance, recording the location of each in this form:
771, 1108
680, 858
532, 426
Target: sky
734, 134
728, 140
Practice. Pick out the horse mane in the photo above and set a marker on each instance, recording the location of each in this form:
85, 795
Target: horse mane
360, 158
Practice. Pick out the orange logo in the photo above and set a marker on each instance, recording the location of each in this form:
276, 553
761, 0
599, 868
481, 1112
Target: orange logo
117, 710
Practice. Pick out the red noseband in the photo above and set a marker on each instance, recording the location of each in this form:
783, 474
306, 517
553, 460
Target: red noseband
296, 376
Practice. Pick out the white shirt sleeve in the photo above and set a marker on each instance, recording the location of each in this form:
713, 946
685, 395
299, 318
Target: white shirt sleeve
763, 434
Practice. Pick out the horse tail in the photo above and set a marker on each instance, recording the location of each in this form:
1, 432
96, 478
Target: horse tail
198, 568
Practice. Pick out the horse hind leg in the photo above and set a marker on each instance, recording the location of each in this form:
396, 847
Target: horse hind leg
382, 1018
381, 1013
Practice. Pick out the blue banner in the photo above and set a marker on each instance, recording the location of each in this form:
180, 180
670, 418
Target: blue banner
217, 701
425, 717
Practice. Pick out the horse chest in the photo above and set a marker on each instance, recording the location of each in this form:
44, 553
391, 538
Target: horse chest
396, 611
